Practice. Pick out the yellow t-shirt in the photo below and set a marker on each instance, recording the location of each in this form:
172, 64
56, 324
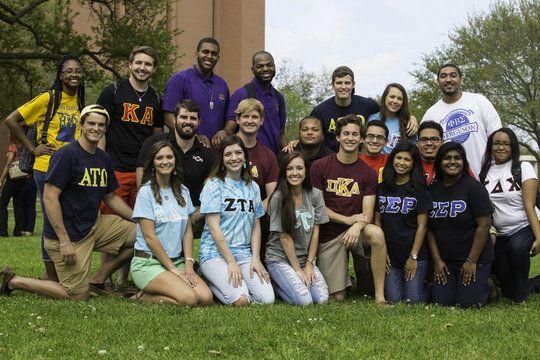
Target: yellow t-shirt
63, 127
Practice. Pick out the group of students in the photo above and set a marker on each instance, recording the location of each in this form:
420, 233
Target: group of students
269, 226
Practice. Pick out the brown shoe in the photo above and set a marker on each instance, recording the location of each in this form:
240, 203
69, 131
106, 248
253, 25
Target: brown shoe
7, 275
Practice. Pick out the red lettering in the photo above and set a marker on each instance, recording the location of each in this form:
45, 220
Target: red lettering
129, 112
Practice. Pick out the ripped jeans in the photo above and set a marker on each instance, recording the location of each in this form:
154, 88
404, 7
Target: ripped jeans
289, 286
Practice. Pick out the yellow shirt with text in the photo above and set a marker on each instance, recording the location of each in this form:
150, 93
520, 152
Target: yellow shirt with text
63, 127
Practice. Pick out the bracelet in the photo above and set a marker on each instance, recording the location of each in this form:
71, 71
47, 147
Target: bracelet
190, 259
312, 261
471, 261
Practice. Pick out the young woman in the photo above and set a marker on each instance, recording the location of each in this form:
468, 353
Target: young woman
512, 188
395, 114
231, 238
296, 210
62, 105
458, 234
402, 213
163, 263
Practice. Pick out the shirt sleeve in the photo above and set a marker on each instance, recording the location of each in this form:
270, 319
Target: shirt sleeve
60, 169
371, 181
35, 109
282, 110
373, 107
273, 168
174, 92
479, 201
274, 211
144, 208
316, 176
321, 216
106, 99
527, 171
112, 182
187, 196
376, 116
211, 197
259, 210
492, 120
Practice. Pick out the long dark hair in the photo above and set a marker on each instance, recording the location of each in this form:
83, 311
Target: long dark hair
149, 173
403, 114
288, 217
56, 86
219, 170
445, 148
488, 156
417, 180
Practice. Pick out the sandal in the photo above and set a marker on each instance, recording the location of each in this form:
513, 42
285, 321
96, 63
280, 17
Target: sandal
7, 275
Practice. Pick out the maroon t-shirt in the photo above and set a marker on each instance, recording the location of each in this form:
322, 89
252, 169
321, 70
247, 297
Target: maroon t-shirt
264, 167
344, 187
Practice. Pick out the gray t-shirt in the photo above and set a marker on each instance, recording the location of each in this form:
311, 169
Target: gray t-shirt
312, 211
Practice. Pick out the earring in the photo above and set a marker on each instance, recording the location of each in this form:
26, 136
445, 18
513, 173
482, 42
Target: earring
245, 165
222, 167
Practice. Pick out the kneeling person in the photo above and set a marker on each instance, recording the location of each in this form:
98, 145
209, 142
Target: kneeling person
80, 176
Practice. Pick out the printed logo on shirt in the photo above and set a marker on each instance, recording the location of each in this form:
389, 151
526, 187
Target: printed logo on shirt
343, 187
443, 209
498, 188
130, 115
332, 125
458, 127
68, 124
221, 97
254, 171
198, 158
239, 204
302, 219
395, 204
94, 177
393, 141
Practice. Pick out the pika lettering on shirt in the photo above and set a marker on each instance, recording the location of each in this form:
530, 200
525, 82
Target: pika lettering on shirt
343, 187
129, 114
94, 177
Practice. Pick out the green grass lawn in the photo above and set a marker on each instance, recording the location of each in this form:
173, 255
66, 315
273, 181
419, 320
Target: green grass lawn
32, 327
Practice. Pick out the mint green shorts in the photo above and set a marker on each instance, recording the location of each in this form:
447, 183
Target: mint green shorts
145, 270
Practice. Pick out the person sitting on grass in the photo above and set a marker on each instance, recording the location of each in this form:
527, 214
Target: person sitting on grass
403, 203
80, 176
163, 263
458, 233
231, 239
296, 210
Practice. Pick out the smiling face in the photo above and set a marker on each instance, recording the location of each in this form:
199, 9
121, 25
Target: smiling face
296, 171
394, 100
449, 81
164, 161
375, 140
349, 138
429, 142
72, 75
343, 87
142, 67
501, 148
249, 122
207, 57
452, 164
233, 159
310, 132
403, 163
264, 68
186, 123
93, 128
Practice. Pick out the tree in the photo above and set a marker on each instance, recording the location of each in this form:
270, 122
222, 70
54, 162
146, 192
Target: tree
35, 34
302, 90
499, 55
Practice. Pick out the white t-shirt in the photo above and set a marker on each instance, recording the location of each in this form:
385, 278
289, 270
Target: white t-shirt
469, 121
509, 215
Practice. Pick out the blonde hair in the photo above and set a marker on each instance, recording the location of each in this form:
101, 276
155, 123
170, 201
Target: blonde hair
249, 105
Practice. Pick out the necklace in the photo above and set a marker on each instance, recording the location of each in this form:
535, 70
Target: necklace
140, 97
209, 93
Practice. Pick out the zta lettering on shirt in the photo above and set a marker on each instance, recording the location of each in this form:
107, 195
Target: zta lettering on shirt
232, 205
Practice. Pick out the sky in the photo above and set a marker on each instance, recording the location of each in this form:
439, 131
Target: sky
380, 40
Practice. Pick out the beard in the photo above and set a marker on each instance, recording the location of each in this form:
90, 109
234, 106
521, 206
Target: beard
184, 135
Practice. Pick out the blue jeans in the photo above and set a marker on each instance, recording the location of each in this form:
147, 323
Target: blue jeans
39, 177
289, 286
512, 264
396, 289
455, 293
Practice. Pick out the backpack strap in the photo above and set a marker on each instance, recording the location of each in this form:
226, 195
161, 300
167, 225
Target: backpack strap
49, 114
252, 94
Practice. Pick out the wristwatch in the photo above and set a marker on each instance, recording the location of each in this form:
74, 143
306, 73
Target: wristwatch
413, 256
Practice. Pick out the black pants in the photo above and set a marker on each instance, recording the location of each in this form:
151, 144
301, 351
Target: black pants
23, 193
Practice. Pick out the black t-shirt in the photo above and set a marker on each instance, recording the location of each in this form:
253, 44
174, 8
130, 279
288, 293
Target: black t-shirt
196, 162
132, 122
323, 151
399, 207
452, 219
329, 112
84, 179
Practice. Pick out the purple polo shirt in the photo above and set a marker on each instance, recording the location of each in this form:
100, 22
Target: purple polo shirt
274, 116
191, 84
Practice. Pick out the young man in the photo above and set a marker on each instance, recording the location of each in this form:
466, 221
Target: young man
80, 176
197, 160
310, 140
208, 90
272, 132
375, 138
430, 139
135, 111
466, 118
349, 188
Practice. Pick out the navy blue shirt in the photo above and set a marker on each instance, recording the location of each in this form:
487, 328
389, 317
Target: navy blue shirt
84, 179
329, 112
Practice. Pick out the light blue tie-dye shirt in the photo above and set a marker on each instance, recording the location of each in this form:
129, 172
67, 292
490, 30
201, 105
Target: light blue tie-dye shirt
394, 135
238, 206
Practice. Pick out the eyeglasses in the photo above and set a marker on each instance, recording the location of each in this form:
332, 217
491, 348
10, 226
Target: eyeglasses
372, 137
503, 144
433, 139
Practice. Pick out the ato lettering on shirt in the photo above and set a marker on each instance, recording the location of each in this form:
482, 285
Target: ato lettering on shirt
239, 204
94, 177
129, 114
443, 209
332, 124
343, 187
395, 204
